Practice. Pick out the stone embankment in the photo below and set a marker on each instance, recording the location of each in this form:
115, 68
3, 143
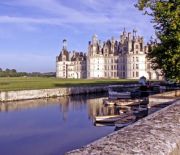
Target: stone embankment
166, 97
46, 93
158, 133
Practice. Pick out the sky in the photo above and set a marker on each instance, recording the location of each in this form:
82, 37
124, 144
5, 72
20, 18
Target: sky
31, 31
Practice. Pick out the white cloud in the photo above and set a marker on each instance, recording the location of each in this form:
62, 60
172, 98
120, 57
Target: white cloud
104, 17
97, 15
102, 11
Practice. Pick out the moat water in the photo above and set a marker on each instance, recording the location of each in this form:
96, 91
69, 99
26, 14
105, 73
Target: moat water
52, 126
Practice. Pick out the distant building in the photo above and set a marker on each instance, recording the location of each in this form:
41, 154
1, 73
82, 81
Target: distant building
70, 64
112, 59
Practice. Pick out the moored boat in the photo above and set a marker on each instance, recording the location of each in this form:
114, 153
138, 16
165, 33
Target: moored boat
125, 121
108, 102
122, 102
118, 95
110, 118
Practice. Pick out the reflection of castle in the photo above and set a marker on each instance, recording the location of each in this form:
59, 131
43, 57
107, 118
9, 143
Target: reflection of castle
97, 108
66, 104
111, 59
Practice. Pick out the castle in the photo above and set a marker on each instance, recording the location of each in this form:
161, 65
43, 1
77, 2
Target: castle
112, 59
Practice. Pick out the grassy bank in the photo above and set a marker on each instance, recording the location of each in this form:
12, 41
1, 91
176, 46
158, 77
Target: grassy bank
28, 83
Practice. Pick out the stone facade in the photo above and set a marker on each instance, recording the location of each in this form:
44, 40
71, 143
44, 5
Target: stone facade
70, 64
113, 59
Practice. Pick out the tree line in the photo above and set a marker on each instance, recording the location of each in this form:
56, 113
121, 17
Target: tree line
13, 73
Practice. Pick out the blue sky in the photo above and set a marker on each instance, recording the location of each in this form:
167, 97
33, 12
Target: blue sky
31, 31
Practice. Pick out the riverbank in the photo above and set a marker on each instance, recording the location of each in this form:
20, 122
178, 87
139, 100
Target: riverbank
149, 135
49, 93
25, 88
158, 133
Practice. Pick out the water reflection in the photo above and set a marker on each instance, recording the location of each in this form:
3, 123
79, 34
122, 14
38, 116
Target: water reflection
49, 126
56, 125
93, 104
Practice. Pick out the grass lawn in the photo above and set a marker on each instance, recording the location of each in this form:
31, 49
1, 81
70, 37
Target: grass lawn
27, 83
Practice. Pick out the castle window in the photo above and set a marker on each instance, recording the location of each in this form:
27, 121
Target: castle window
133, 74
137, 67
137, 74
105, 74
137, 59
136, 52
137, 46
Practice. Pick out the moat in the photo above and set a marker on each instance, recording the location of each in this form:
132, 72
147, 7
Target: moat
52, 126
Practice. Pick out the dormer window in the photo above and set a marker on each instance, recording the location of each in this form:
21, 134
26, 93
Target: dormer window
64, 58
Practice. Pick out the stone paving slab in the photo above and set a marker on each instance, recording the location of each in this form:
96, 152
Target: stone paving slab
156, 134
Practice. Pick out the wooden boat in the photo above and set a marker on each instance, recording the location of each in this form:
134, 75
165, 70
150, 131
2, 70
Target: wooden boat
125, 121
122, 102
110, 118
139, 109
121, 91
127, 103
108, 102
124, 109
103, 124
118, 95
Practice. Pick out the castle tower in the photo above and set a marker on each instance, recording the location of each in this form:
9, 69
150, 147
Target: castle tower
94, 49
112, 45
94, 39
64, 44
124, 32
134, 33
129, 43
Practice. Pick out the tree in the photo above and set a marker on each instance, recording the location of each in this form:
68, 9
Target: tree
165, 55
7, 70
14, 71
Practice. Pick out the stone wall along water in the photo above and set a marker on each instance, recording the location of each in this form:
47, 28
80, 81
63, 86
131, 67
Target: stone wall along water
156, 134
165, 97
46, 93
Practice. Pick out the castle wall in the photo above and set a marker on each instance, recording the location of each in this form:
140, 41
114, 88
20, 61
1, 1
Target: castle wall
96, 67
113, 59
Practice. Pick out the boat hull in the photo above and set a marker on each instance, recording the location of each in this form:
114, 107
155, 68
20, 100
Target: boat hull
110, 119
125, 121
